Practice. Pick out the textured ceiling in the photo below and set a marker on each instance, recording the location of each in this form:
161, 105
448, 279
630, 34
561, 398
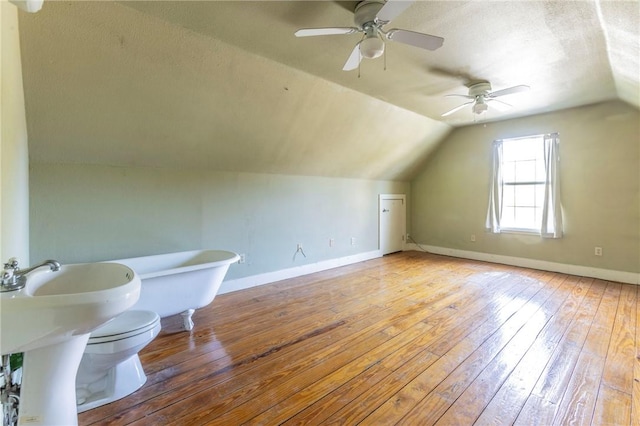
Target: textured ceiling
226, 85
570, 53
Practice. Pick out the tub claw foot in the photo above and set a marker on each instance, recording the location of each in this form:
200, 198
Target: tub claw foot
186, 318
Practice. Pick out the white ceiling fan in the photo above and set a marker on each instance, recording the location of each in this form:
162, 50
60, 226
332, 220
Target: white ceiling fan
370, 18
481, 96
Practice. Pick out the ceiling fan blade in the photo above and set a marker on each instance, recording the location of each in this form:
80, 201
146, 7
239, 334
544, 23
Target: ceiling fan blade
458, 108
354, 59
509, 91
499, 105
461, 96
423, 41
310, 32
391, 9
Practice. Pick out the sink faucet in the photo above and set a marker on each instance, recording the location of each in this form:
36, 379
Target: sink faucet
14, 278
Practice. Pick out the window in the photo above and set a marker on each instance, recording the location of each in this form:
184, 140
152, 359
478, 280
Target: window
523, 182
525, 186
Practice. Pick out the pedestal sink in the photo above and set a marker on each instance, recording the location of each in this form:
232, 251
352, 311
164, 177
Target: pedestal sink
50, 320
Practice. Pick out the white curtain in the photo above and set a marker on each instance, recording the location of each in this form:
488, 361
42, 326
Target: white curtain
551, 210
494, 211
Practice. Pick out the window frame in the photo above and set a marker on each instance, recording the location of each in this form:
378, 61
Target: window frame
537, 206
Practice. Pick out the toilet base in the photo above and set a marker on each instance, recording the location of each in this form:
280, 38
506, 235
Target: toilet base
120, 381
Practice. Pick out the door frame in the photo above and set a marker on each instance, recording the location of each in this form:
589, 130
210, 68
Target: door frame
382, 197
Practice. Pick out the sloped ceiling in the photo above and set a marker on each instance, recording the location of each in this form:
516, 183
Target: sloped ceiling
226, 85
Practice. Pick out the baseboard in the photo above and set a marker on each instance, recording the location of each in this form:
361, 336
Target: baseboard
583, 271
283, 274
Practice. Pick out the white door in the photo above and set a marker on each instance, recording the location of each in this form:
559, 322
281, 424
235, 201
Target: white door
393, 225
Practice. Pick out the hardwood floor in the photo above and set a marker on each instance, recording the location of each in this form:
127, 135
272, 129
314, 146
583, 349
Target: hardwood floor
411, 338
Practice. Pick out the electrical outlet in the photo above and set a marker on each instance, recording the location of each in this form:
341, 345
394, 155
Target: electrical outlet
598, 251
353, 241
331, 242
473, 238
243, 258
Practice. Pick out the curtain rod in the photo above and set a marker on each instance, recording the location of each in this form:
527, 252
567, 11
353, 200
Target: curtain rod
554, 134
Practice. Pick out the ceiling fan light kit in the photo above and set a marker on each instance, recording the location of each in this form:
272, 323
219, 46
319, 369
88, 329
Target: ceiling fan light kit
480, 106
372, 47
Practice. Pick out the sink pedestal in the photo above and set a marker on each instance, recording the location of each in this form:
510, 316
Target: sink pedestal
48, 391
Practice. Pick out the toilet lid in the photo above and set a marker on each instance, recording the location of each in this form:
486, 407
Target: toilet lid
128, 323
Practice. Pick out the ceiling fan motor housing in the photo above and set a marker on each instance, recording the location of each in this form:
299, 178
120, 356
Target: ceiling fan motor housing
479, 89
366, 12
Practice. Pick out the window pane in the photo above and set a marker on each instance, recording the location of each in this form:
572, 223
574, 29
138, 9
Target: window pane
538, 220
540, 195
525, 195
525, 217
508, 217
509, 196
540, 174
526, 171
522, 149
509, 171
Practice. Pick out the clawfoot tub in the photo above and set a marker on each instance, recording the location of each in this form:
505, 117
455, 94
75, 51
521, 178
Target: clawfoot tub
180, 283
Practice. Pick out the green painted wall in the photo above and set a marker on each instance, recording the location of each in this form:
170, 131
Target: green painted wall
600, 186
85, 213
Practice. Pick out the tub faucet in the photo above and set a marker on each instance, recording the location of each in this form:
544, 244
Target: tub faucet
14, 278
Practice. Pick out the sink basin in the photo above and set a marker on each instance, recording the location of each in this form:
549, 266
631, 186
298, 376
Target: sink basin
50, 320
73, 301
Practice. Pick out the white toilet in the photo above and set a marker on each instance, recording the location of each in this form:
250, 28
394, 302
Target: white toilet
110, 368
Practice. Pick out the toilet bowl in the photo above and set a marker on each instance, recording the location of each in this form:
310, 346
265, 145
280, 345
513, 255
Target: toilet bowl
110, 368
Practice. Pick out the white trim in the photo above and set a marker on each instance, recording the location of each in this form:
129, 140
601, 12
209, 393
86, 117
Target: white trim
283, 274
582, 271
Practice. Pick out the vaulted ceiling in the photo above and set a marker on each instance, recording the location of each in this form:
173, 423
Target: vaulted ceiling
227, 85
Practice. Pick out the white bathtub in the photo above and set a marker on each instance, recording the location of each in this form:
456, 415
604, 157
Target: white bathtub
180, 283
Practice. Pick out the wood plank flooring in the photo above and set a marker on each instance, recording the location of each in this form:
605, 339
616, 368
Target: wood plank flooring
411, 338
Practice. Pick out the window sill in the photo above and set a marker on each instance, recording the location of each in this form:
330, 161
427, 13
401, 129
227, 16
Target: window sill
521, 231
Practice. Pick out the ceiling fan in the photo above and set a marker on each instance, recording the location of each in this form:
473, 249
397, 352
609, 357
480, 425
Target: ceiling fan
370, 18
481, 96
